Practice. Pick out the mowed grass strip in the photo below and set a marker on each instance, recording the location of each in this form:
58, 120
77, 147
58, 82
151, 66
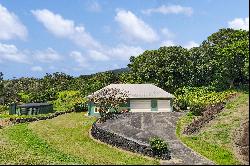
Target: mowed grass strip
70, 134
215, 140
19, 145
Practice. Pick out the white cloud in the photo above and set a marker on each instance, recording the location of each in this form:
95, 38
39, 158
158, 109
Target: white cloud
168, 43
11, 53
79, 58
47, 56
191, 44
64, 28
37, 68
94, 7
97, 55
134, 27
167, 33
239, 23
171, 9
123, 52
11, 27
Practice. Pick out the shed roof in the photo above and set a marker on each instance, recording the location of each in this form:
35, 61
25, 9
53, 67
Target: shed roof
141, 90
33, 105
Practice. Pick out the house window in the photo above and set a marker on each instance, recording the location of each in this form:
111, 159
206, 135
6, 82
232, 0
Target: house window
96, 110
154, 103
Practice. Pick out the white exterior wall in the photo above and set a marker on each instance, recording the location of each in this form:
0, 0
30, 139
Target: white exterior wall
164, 106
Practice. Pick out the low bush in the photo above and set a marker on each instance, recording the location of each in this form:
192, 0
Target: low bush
158, 145
3, 109
197, 98
69, 100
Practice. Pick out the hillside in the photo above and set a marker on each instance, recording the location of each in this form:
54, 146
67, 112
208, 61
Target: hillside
118, 71
217, 140
115, 71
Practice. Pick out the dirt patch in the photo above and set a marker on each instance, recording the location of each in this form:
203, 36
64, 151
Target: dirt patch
241, 142
4, 122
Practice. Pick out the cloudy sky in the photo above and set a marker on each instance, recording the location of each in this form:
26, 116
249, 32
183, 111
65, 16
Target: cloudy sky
87, 36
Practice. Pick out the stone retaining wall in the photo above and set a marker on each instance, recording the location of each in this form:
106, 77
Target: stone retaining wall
124, 143
10, 121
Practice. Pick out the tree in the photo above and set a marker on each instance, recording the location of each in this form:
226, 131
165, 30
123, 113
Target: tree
107, 99
167, 67
227, 54
69, 100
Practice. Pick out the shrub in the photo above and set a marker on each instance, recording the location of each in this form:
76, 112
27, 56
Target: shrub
69, 100
3, 109
197, 98
158, 145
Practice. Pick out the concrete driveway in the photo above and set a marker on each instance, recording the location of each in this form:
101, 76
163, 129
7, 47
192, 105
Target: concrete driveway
141, 126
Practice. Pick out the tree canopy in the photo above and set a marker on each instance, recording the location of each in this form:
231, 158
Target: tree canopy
222, 60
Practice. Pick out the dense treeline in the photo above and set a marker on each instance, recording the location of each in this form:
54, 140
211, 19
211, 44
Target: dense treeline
47, 88
222, 61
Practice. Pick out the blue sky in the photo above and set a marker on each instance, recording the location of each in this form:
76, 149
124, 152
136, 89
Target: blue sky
83, 37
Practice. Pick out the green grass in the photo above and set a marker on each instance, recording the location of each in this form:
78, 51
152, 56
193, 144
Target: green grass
62, 140
216, 138
30, 149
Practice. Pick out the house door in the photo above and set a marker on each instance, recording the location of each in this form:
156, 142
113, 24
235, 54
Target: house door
140, 105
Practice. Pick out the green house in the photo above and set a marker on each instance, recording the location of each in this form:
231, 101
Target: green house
141, 98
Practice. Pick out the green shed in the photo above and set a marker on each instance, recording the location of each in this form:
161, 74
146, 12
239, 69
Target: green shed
31, 108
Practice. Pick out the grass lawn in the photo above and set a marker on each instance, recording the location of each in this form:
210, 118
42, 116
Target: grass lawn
62, 140
215, 140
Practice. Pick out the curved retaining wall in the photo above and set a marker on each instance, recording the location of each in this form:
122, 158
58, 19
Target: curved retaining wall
124, 143
17, 120
23, 120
